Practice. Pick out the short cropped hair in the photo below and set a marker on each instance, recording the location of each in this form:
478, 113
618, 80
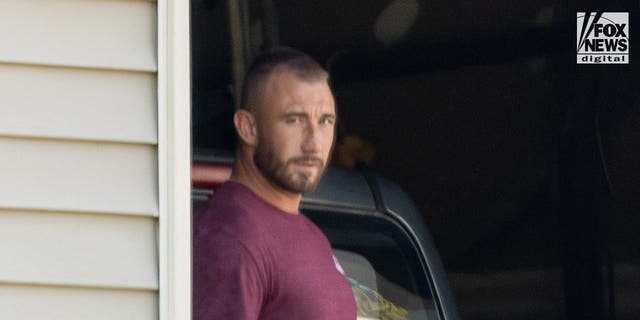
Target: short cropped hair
292, 60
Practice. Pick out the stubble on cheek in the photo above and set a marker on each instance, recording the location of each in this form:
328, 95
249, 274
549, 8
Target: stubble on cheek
283, 172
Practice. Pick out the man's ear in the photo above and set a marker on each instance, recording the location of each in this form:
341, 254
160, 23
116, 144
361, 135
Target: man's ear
245, 123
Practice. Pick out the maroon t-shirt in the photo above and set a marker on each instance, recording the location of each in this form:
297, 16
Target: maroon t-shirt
255, 261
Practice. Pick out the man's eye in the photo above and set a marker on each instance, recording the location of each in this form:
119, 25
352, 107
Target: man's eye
292, 120
327, 121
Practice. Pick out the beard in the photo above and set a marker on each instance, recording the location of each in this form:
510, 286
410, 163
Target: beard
282, 172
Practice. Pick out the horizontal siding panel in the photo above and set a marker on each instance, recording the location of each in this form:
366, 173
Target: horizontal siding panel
78, 104
37, 303
112, 251
63, 175
95, 34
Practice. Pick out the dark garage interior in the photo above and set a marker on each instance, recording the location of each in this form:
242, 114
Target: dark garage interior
523, 163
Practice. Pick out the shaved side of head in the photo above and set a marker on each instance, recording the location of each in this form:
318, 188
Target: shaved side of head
281, 59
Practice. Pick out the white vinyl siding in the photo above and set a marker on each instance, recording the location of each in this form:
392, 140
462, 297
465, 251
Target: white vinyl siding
78, 176
62, 303
78, 159
82, 33
89, 104
115, 252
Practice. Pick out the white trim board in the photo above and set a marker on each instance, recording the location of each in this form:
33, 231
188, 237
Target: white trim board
174, 159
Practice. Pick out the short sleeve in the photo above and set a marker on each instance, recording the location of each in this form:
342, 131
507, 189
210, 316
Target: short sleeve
227, 282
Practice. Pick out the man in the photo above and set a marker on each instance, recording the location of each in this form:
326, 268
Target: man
255, 255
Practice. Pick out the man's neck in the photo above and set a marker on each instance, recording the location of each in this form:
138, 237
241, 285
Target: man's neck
248, 174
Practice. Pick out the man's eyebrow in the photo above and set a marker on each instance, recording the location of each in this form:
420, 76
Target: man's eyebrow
294, 113
329, 116
305, 114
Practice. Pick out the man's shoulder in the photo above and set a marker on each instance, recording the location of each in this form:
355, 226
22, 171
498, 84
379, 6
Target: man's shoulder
228, 201
227, 214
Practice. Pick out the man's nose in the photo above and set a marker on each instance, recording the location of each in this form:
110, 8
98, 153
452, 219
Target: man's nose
312, 142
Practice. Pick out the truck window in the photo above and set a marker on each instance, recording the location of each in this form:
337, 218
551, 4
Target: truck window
382, 264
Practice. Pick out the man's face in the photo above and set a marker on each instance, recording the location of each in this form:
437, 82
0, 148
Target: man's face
295, 122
